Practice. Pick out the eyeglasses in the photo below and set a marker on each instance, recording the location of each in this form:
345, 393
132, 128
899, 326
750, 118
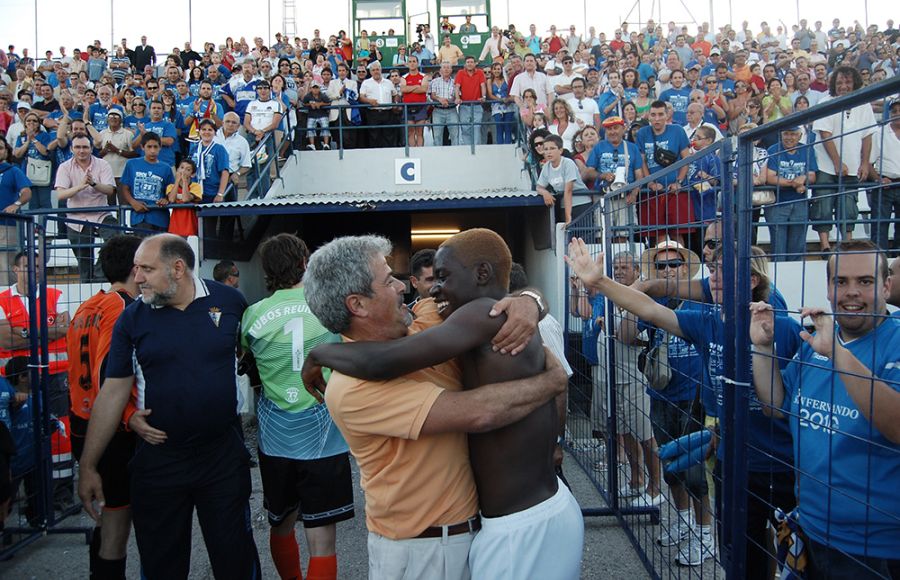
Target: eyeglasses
668, 264
712, 243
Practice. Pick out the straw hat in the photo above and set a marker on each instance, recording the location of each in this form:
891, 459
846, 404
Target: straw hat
648, 258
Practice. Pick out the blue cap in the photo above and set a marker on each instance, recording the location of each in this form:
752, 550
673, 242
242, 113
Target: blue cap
791, 128
593, 69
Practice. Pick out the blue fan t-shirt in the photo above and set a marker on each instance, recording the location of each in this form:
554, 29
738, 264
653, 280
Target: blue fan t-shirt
605, 158
847, 471
147, 182
789, 165
673, 138
769, 445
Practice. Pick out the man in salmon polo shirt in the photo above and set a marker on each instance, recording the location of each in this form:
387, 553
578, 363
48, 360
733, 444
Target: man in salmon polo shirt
408, 434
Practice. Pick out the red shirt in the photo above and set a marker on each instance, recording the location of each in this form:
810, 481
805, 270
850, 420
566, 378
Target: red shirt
414, 80
556, 44
470, 85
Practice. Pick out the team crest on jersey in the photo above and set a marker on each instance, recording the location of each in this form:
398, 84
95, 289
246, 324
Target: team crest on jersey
215, 314
292, 395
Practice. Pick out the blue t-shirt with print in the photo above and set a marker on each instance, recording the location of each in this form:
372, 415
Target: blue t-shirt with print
131, 122
44, 139
243, 94
162, 128
590, 331
97, 114
687, 369
679, 99
789, 165
147, 182
847, 471
769, 446
605, 158
673, 138
215, 160
705, 202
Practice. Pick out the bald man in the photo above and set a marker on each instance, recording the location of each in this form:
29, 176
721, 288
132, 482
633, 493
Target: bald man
180, 339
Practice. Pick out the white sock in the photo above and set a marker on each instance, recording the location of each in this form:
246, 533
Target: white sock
684, 517
705, 530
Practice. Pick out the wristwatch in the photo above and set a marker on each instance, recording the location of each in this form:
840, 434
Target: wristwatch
17, 203
537, 299
23, 332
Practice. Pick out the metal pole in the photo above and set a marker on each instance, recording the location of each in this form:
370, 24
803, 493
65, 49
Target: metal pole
36, 28
269, 23
191, 22
112, 25
585, 27
712, 18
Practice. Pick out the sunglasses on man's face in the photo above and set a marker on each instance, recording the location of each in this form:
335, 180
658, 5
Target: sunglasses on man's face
712, 243
663, 264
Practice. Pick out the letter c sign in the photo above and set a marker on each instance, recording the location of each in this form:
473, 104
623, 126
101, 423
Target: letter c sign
407, 171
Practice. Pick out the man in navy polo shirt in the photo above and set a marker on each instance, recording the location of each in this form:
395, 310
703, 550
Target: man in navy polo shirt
179, 341
841, 394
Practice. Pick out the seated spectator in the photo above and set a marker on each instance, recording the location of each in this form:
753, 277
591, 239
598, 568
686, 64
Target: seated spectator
695, 120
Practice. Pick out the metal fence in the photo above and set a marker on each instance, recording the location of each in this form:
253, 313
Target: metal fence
35, 394
721, 500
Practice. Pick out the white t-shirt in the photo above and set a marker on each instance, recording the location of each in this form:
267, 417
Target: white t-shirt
584, 108
847, 129
558, 177
262, 113
886, 152
383, 91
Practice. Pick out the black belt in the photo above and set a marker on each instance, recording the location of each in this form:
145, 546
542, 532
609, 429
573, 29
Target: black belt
447, 107
471, 525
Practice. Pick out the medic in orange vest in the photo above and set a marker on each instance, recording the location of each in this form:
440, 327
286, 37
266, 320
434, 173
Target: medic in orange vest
15, 331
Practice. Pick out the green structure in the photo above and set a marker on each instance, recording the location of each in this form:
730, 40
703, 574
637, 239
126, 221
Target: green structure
378, 18
456, 11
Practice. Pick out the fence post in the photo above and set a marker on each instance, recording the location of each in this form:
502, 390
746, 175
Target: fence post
736, 266
341, 134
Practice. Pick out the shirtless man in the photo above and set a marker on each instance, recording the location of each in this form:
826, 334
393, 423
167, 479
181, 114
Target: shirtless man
513, 465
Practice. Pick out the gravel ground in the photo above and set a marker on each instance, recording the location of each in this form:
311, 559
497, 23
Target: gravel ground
607, 551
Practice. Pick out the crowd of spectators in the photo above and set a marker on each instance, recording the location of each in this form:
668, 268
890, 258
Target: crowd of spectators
326, 90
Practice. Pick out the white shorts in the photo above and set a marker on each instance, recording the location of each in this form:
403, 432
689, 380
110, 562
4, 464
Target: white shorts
544, 541
432, 558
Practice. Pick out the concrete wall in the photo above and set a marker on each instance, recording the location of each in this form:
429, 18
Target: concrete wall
373, 170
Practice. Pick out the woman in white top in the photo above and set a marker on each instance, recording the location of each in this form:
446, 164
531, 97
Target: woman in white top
563, 122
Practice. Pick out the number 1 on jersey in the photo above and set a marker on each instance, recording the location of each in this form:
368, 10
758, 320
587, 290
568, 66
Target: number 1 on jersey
294, 327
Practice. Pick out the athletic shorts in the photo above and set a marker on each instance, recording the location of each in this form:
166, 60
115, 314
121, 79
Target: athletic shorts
321, 490
544, 541
113, 464
416, 113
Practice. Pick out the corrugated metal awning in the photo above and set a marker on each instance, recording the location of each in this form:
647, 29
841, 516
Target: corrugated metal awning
350, 202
